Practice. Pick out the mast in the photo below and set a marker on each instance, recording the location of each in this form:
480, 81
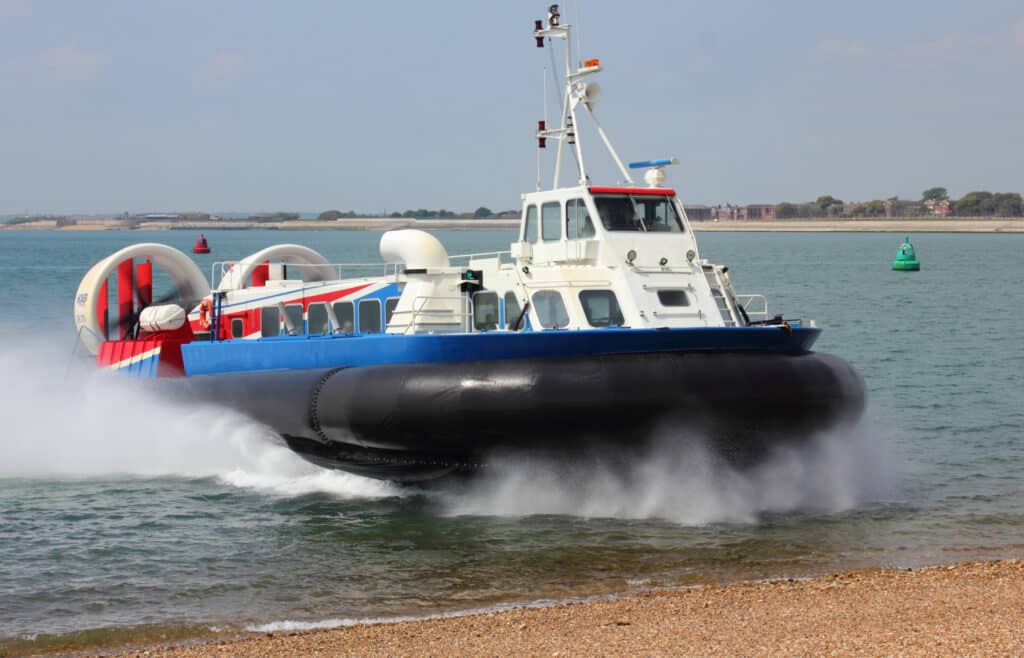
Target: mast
577, 92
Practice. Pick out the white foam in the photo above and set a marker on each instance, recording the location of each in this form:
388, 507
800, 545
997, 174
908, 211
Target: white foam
680, 481
340, 485
288, 625
86, 423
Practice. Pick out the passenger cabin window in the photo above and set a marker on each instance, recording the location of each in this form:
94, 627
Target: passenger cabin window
550, 309
653, 214
551, 222
270, 322
293, 319
344, 313
512, 311
673, 298
530, 226
237, 327
578, 225
389, 309
316, 319
485, 311
369, 316
601, 308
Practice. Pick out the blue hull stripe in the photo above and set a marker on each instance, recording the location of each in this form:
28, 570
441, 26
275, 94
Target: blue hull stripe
303, 352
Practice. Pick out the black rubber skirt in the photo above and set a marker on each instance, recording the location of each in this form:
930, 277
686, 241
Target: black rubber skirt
420, 421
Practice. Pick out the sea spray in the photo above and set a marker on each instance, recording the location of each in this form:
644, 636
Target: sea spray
682, 481
80, 422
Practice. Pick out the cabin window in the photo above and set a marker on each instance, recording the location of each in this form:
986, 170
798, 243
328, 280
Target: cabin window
485, 311
316, 319
658, 214
673, 298
551, 222
655, 214
345, 314
530, 226
389, 309
237, 327
578, 224
512, 311
293, 319
550, 309
601, 308
270, 322
369, 316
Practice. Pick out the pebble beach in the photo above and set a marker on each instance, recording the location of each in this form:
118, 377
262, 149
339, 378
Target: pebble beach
966, 609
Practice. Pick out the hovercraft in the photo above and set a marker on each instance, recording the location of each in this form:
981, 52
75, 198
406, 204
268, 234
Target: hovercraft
599, 326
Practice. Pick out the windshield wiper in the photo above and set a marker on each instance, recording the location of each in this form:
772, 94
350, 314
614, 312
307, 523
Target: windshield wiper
636, 214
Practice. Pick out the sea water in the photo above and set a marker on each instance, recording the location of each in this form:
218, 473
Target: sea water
120, 511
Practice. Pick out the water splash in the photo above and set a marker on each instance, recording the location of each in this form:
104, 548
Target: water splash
680, 480
56, 422
84, 423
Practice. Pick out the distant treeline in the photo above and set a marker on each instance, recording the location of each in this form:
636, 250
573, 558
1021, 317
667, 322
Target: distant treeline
270, 217
421, 213
934, 201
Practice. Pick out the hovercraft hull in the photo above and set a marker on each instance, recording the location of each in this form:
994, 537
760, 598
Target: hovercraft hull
421, 421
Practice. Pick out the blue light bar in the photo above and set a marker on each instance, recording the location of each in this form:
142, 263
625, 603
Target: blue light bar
653, 163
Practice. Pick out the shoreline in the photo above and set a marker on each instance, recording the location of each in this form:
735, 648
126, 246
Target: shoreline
924, 225
909, 225
958, 609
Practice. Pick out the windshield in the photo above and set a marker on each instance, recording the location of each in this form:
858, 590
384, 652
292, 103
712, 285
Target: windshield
638, 213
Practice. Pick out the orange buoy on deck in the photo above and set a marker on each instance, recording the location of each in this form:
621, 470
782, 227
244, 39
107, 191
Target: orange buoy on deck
201, 246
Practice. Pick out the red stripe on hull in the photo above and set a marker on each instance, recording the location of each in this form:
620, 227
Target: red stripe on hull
170, 364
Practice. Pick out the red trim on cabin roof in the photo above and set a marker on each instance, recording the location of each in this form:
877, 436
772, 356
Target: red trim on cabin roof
656, 191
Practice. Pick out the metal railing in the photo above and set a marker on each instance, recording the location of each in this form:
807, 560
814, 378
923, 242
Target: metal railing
341, 270
501, 256
755, 306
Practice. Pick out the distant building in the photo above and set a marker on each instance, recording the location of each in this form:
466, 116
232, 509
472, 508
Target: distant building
758, 211
942, 208
726, 212
753, 211
698, 213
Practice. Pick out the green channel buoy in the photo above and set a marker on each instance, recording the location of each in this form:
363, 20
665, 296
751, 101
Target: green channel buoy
906, 259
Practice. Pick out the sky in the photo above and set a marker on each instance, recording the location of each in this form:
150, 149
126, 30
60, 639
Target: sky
246, 105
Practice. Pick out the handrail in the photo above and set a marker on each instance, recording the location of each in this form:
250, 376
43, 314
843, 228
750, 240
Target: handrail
567, 284
482, 254
747, 301
223, 266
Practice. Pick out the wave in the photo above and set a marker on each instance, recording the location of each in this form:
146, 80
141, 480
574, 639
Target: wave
78, 422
